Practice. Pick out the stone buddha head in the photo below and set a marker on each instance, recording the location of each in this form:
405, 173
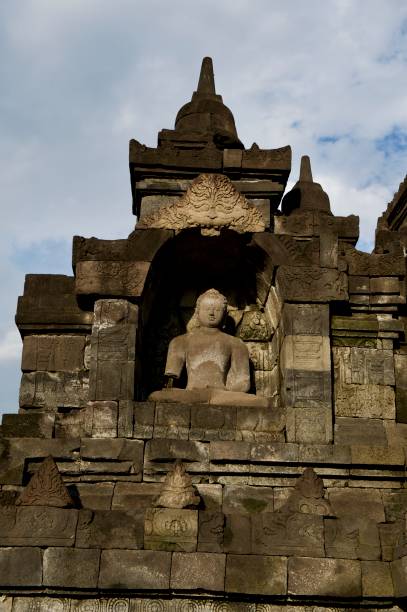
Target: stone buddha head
210, 309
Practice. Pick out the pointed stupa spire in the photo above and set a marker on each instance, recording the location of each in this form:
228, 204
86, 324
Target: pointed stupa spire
205, 119
305, 195
206, 84
305, 169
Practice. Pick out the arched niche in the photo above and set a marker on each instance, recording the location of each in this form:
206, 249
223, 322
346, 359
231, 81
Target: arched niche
185, 267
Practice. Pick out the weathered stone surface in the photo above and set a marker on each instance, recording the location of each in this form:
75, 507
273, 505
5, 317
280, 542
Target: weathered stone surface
71, 568
160, 454
395, 505
352, 537
376, 579
110, 529
144, 416
172, 421
116, 450
171, 529
274, 452
357, 502
104, 419
288, 534
30, 425
12, 560
254, 574
364, 366
213, 422
359, 431
309, 425
306, 353
74, 422
50, 390
111, 278
125, 420
260, 424
378, 455
399, 574
366, 401
247, 499
306, 319
211, 531
135, 569
237, 535
64, 353
37, 526
96, 496
400, 366
197, 571
254, 327
135, 495
324, 577
305, 388
311, 284
113, 346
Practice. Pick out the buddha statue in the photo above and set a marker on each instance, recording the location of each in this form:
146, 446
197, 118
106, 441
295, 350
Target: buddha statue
216, 363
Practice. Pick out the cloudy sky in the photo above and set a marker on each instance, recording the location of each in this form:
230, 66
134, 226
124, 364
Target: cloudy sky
79, 78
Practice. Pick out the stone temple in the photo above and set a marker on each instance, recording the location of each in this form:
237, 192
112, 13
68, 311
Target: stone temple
213, 411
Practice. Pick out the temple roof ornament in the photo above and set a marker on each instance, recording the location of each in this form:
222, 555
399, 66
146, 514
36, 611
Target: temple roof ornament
178, 490
211, 203
305, 195
46, 488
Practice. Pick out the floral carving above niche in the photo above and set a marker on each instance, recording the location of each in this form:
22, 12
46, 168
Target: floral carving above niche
211, 203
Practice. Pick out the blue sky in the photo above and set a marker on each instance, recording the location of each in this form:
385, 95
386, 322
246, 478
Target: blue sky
81, 77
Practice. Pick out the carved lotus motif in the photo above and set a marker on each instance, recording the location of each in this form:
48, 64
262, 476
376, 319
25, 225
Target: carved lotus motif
178, 490
211, 203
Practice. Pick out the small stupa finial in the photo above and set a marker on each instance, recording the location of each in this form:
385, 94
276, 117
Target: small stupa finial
206, 84
305, 169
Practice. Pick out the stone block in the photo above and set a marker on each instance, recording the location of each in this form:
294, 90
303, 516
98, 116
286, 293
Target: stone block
280, 533
328, 249
390, 535
135, 569
263, 355
260, 424
309, 425
376, 579
104, 419
274, 452
237, 534
97, 496
395, 505
171, 529
359, 285
210, 531
50, 390
160, 455
352, 537
30, 425
399, 575
73, 568
144, 416
20, 567
360, 431
364, 366
305, 388
383, 284
306, 319
367, 401
63, 353
400, 367
256, 575
211, 496
172, 421
198, 571
38, 526
311, 284
113, 345
324, 454
324, 577
125, 420
354, 502
119, 449
110, 529
377, 455
213, 422
135, 495
111, 278
74, 422
254, 327
306, 353
247, 499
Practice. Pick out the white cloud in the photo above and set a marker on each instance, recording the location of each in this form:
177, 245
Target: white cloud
10, 345
80, 78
